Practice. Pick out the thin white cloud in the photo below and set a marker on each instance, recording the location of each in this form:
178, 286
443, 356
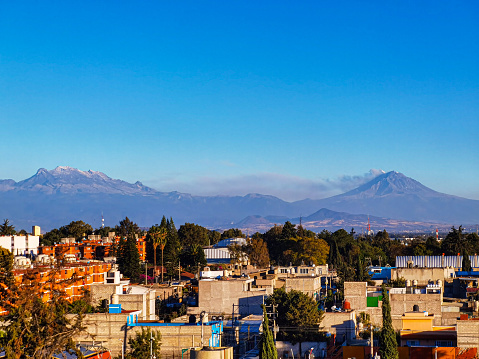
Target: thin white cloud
286, 187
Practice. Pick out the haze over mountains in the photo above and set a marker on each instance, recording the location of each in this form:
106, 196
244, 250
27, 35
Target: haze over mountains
393, 202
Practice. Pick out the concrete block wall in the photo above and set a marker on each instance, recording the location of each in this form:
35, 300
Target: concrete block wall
356, 294
112, 332
341, 324
401, 303
467, 333
218, 297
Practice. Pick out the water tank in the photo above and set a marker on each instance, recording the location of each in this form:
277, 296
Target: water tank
346, 305
104, 303
212, 353
415, 308
439, 282
114, 299
414, 282
408, 283
192, 319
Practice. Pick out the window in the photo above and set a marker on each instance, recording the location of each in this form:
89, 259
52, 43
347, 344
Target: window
444, 343
412, 343
284, 270
303, 270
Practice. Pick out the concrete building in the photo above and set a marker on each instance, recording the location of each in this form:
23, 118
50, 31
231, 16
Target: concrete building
20, 245
308, 285
423, 276
218, 296
343, 324
131, 297
369, 300
418, 330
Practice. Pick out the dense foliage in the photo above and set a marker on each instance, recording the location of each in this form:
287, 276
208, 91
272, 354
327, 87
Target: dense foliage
298, 315
141, 344
34, 327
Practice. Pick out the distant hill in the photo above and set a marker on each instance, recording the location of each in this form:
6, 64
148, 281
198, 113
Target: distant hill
57, 197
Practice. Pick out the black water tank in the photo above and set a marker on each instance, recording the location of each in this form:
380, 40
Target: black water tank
415, 308
192, 319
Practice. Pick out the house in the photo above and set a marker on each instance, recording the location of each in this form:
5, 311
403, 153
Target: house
418, 330
225, 295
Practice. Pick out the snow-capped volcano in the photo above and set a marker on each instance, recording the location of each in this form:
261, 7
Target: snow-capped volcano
65, 179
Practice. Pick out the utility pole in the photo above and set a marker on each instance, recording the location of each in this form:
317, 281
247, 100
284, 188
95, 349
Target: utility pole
274, 322
372, 341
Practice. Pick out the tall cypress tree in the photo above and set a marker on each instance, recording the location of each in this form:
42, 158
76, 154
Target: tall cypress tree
388, 347
172, 248
466, 261
267, 349
129, 258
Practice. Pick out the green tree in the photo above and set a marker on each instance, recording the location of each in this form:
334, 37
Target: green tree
158, 237
466, 261
127, 228
257, 252
128, 258
267, 349
194, 257
35, 327
141, 344
76, 229
51, 237
6, 229
172, 247
313, 249
6, 272
104, 231
237, 253
288, 231
214, 237
298, 315
232, 233
387, 343
190, 233
454, 242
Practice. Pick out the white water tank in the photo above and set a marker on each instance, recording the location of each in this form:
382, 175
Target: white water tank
114, 299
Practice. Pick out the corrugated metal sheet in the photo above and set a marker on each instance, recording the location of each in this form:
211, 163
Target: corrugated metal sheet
216, 253
435, 261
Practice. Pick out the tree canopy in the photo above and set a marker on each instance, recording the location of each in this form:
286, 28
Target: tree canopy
6, 229
298, 315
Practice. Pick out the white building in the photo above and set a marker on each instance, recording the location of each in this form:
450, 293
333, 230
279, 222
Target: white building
20, 245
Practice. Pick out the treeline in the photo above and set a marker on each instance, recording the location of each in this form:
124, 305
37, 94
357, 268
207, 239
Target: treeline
283, 244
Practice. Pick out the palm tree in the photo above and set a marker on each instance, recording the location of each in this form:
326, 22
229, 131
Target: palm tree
158, 237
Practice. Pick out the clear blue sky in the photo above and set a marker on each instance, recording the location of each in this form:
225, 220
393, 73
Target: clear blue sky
294, 99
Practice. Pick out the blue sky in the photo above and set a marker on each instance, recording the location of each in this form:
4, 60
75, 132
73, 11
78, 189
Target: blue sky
294, 99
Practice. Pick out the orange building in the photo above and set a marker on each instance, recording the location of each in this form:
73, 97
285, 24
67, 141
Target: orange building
73, 278
90, 249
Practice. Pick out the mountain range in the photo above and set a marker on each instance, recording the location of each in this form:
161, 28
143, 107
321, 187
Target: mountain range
391, 200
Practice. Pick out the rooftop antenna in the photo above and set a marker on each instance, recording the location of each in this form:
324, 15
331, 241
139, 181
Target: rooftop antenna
370, 233
102, 221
